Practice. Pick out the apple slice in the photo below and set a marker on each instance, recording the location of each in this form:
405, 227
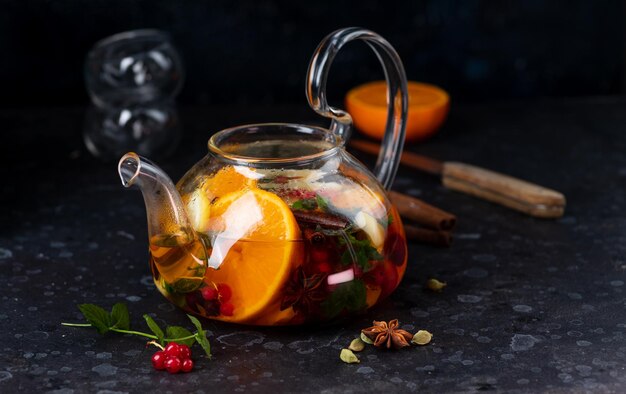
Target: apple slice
199, 210
371, 227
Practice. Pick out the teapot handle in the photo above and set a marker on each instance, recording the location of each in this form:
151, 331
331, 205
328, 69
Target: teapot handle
397, 96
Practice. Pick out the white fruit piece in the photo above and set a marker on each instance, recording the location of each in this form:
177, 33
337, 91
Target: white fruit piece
371, 227
199, 210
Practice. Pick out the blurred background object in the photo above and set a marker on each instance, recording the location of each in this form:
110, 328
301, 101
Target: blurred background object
256, 52
148, 129
133, 67
132, 79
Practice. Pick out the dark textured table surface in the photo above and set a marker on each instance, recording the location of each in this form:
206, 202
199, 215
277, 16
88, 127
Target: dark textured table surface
531, 305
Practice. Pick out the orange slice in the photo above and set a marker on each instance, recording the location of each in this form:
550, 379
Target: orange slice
428, 108
254, 250
228, 180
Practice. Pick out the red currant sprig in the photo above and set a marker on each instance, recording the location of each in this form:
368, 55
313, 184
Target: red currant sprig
174, 358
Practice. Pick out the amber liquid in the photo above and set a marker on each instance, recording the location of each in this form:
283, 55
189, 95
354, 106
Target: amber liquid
331, 270
329, 277
178, 262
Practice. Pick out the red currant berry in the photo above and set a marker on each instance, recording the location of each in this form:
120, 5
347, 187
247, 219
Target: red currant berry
323, 267
158, 360
212, 308
173, 364
184, 352
357, 270
307, 194
225, 292
226, 309
209, 293
187, 365
318, 255
193, 299
172, 350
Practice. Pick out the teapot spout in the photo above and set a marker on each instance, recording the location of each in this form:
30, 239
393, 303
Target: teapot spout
164, 207
176, 251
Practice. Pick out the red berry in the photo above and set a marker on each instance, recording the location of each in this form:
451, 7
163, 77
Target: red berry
187, 365
358, 271
209, 293
318, 255
172, 350
212, 308
225, 292
323, 267
158, 360
307, 194
193, 299
173, 364
226, 309
184, 352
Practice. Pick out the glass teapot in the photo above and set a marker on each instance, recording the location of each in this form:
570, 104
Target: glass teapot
278, 224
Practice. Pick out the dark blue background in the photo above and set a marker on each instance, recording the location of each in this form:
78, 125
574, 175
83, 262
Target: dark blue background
256, 52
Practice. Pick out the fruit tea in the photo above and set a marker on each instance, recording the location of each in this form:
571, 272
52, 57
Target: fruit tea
281, 247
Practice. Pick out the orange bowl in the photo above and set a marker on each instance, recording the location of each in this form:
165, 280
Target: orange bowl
428, 108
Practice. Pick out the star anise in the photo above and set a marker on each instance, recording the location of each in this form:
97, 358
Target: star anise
303, 293
388, 334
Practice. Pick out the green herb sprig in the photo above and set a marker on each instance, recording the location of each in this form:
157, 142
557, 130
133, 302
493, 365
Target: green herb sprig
360, 251
309, 204
118, 320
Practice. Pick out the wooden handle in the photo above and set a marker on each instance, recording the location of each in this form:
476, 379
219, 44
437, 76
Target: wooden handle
505, 190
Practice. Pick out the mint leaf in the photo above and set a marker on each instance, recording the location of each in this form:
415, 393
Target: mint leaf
96, 316
204, 343
363, 252
168, 288
154, 327
201, 336
346, 257
196, 323
359, 257
373, 254
350, 296
322, 203
176, 332
307, 204
120, 317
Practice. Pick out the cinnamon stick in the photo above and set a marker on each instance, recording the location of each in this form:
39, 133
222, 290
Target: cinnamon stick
428, 236
421, 212
410, 159
320, 218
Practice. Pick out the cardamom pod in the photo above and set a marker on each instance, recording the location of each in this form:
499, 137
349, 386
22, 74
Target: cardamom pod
348, 357
366, 339
356, 345
435, 285
422, 337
